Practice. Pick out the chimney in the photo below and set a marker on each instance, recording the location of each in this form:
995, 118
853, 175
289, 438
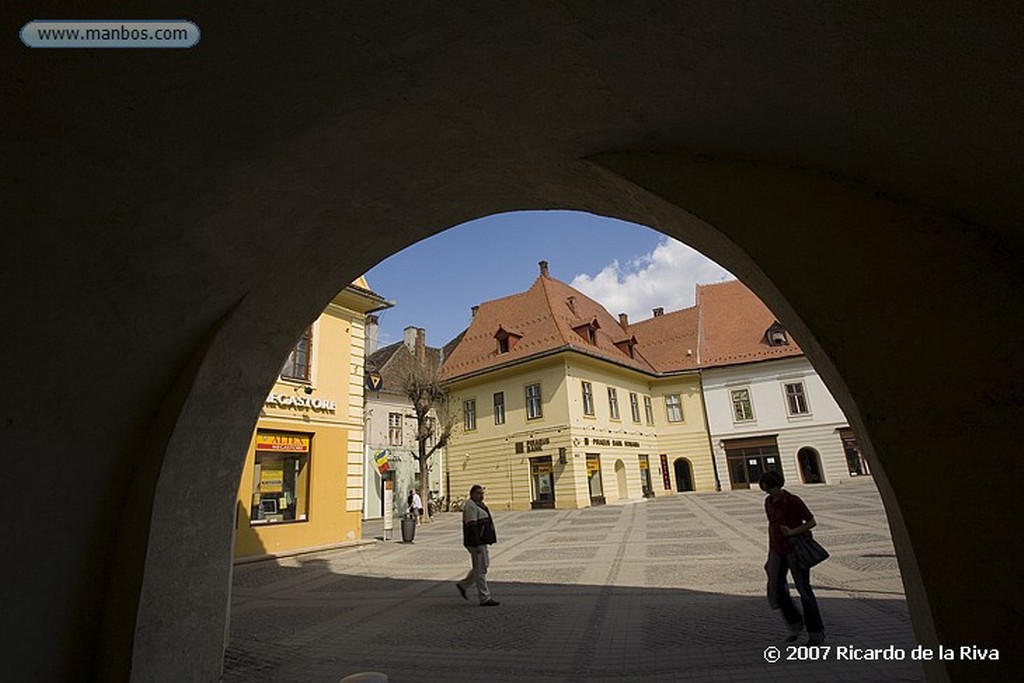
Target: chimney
659, 311
543, 268
474, 310
571, 301
409, 337
372, 330
623, 320
421, 345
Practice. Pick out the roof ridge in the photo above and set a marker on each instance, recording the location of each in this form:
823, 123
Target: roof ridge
551, 308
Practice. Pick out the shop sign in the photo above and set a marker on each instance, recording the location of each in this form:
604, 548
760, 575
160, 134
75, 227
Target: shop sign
533, 445
286, 443
302, 402
271, 479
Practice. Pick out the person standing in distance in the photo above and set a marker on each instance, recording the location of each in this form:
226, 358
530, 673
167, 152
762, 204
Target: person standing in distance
416, 505
787, 516
477, 533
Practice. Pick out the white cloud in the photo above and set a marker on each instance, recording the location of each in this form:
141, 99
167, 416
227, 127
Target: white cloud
666, 277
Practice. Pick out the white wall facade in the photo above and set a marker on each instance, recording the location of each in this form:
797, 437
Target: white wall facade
401, 457
765, 381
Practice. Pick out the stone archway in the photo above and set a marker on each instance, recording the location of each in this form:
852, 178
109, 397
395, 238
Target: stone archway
683, 470
809, 465
177, 239
622, 485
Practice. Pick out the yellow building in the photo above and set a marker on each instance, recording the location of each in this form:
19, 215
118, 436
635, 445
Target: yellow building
563, 406
302, 485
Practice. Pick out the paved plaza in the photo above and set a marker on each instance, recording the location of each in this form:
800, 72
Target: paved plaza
668, 589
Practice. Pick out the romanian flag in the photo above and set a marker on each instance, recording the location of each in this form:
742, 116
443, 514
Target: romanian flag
381, 460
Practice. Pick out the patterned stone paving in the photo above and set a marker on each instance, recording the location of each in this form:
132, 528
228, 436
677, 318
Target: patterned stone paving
665, 589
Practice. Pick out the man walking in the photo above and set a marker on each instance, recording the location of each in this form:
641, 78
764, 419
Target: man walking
477, 533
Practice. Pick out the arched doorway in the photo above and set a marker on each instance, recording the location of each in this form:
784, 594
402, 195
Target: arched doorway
684, 474
810, 466
745, 197
620, 479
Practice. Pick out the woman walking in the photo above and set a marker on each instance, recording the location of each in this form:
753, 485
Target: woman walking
788, 516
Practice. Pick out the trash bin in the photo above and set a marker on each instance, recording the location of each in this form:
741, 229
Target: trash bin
408, 529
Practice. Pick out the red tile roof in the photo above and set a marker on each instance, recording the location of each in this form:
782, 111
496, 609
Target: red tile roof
726, 327
546, 316
669, 341
732, 324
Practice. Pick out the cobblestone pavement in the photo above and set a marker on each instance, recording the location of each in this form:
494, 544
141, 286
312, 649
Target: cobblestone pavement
661, 590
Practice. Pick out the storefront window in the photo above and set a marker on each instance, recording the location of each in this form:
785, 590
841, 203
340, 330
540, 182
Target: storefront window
280, 484
594, 479
542, 482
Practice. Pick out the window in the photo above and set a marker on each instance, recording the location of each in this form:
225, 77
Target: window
742, 409
588, 399
395, 429
613, 403
634, 406
297, 364
592, 336
648, 410
280, 483
796, 400
469, 414
499, 408
506, 340
776, 335
533, 409
674, 408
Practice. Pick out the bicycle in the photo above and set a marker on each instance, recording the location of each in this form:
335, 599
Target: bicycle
457, 504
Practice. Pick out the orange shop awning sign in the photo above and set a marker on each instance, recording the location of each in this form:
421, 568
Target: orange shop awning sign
289, 443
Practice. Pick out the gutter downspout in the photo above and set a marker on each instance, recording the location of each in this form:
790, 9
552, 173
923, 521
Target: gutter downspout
707, 430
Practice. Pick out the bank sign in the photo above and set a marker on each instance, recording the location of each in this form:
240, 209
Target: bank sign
322, 405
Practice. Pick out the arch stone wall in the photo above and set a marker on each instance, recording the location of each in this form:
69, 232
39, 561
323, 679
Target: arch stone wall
172, 220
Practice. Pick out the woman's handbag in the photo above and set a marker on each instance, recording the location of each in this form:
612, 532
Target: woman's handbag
806, 551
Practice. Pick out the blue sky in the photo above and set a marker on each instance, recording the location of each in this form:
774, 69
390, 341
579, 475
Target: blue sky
626, 267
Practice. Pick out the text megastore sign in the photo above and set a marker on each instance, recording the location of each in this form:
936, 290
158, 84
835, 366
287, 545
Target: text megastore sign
322, 405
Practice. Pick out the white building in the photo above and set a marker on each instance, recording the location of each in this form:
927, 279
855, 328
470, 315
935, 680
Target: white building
390, 422
766, 406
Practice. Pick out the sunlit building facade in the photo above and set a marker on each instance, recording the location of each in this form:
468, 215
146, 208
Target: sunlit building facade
302, 484
562, 405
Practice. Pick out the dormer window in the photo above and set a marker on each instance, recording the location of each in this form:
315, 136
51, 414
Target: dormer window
506, 339
626, 346
588, 331
776, 335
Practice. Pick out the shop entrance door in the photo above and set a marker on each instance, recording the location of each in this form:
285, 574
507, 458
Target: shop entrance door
645, 477
594, 479
750, 458
542, 483
810, 466
684, 475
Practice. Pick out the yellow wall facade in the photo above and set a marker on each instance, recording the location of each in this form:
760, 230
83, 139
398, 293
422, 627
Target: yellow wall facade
687, 439
331, 418
499, 456
486, 455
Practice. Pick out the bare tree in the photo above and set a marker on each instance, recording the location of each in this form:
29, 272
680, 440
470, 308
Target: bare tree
422, 386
